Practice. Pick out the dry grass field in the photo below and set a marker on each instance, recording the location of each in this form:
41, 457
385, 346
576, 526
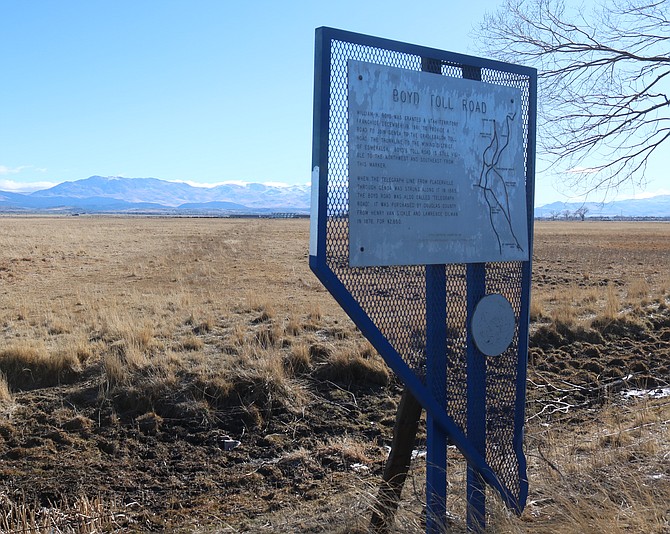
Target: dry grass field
192, 375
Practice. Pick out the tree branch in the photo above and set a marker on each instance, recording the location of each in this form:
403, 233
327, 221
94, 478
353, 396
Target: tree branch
603, 81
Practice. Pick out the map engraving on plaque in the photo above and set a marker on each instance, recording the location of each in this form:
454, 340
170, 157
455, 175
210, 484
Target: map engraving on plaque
436, 169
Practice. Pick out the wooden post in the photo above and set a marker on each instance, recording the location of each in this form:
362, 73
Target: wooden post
397, 465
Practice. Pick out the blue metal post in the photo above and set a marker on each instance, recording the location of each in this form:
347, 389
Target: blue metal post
476, 402
476, 378
436, 378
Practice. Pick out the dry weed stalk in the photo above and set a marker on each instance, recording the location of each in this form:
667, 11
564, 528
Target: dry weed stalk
5, 391
579, 481
536, 310
85, 516
612, 303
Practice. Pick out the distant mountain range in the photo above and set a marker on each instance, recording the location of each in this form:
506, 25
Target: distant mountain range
99, 194
658, 206
132, 195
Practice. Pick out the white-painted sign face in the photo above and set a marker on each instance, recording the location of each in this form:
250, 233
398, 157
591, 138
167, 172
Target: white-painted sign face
493, 324
436, 169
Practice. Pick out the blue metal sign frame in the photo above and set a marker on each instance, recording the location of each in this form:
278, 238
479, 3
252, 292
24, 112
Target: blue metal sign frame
418, 317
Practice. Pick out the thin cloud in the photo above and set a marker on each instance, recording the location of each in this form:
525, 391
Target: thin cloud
24, 187
650, 194
202, 185
4, 170
276, 184
228, 182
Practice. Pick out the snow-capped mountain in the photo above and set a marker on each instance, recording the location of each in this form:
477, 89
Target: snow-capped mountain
99, 193
117, 194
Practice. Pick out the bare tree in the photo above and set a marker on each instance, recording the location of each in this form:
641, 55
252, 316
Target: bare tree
604, 81
581, 212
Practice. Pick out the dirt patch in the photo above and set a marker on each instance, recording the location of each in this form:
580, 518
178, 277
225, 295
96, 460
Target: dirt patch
585, 366
196, 462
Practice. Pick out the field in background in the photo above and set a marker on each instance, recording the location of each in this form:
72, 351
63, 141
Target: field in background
137, 352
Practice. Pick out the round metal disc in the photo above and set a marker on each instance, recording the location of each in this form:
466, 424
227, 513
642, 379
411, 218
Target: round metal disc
493, 324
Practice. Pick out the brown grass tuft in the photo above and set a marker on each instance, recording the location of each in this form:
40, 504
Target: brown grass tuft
565, 314
344, 451
191, 342
293, 326
314, 315
115, 369
268, 335
360, 366
298, 361
28, 364
638, 290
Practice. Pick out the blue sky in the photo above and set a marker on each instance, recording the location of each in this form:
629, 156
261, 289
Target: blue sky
201, 91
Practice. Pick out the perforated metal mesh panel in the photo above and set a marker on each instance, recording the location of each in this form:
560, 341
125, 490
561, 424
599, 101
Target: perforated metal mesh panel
394, 298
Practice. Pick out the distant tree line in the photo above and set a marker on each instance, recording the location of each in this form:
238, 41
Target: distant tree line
579, 213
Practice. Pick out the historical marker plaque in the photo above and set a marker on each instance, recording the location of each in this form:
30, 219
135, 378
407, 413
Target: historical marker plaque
422, 191
436, 169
